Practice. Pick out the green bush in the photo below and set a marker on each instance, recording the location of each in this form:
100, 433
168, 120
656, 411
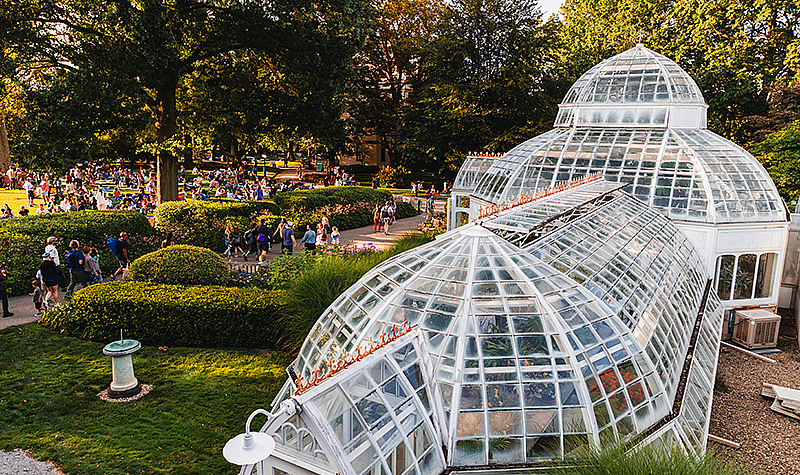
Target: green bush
20, 258
180, 265
22, 240
347, 207
175, 315
202, 223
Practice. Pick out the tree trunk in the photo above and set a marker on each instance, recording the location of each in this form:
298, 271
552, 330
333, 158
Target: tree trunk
5, 151
166, 112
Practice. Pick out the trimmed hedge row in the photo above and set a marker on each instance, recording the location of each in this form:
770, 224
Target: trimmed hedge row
22, 240
174, 315
180, 265
202, 223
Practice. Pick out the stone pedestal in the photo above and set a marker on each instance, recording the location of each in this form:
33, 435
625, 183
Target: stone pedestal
124, 383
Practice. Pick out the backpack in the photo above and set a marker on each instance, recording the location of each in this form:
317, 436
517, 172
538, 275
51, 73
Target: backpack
248, 236
112, 244
72, 260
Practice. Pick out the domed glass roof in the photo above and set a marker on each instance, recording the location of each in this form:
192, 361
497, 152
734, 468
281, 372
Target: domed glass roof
655, 142
638, 75
538, 351
636, 88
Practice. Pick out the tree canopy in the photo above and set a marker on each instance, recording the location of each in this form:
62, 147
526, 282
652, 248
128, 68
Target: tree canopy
157, 56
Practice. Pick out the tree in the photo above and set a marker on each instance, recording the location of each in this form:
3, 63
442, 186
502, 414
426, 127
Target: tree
388, 66
150, 48
485, 84
780, 155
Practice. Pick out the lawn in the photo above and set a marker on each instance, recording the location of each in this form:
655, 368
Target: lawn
200, 399
14, 199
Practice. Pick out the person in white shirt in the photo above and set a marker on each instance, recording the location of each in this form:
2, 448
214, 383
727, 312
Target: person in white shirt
28, 187
51, 249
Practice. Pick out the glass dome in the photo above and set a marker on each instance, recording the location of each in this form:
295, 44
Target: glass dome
676, 166
637, 88
541, 350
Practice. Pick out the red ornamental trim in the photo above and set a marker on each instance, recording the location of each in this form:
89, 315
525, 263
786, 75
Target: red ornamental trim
346, 359
525, 198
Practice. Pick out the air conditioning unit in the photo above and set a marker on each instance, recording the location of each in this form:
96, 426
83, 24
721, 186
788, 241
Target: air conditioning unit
756, 328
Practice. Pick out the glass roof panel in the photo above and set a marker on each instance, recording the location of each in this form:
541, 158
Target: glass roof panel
689, 175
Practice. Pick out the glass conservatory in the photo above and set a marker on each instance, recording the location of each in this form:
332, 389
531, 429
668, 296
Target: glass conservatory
639, 120
572, 318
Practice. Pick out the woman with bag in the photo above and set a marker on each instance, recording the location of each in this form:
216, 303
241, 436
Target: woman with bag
279, 233
250, 240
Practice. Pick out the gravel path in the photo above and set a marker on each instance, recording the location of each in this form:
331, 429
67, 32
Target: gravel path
19, 462
770, 441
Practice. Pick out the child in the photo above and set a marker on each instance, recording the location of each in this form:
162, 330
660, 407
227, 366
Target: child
335, 236
37, 297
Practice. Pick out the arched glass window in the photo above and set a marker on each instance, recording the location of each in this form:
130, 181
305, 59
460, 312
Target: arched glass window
745, 273
766, 272
725, 276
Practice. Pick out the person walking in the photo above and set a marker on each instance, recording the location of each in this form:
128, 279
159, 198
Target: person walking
265, 244
123, 256
335, 236
376, 218
75, 261
228, 243
4, 294
429, 206
386, 218
51, 249
250, 240
91, 266
279, 232
289, 241
50, 275
309, 240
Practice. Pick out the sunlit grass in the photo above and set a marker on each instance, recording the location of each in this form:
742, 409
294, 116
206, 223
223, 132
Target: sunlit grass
200, 398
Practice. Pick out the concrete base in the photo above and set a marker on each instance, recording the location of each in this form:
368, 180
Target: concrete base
125, 393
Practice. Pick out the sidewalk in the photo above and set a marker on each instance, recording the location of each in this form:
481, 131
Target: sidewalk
358, 237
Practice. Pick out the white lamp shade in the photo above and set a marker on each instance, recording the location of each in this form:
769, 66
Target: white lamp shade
261, 447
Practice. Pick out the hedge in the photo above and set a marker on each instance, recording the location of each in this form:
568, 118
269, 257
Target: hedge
180, 265
202, 223
347, 207
22, 240
173, 315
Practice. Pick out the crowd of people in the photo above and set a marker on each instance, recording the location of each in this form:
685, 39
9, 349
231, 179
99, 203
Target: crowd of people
100, 187
82, 266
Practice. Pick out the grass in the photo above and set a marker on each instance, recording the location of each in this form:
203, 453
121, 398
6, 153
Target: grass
650, 460
200, 399
15, 199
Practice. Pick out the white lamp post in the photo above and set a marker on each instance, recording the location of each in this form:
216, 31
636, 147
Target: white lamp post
251, 447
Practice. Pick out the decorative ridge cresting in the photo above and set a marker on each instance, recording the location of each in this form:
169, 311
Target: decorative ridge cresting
534, 195
346, 359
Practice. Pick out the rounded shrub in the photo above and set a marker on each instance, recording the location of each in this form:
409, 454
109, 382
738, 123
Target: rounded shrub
174, 315
180, 265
